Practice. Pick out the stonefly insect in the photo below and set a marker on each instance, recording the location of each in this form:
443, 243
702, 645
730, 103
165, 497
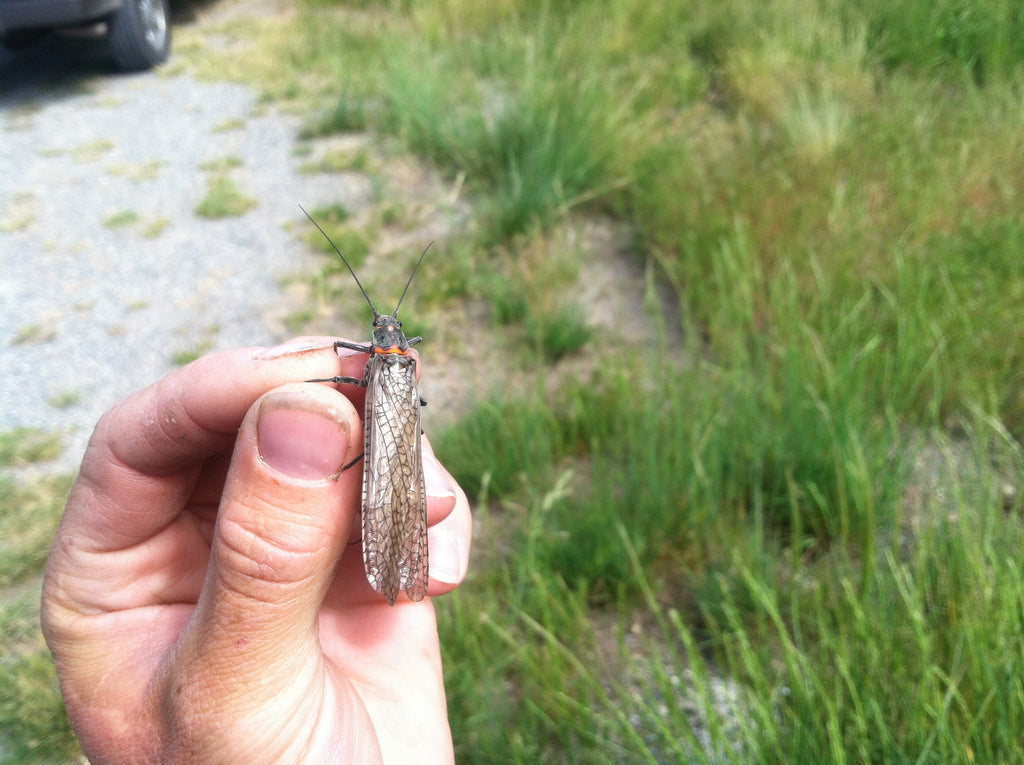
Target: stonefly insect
394, 499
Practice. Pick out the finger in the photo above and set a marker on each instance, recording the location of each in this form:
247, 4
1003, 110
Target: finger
281, 528
190, 412
146, 452
450, 525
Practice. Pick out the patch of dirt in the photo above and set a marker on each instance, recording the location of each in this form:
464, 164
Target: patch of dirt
948, 476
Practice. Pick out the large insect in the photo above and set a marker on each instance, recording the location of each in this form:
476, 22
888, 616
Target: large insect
394, 506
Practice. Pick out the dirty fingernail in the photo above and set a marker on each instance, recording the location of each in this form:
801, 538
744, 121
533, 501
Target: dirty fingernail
292, 346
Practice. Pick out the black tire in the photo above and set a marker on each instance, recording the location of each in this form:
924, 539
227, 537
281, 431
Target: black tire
22, 38
140, 34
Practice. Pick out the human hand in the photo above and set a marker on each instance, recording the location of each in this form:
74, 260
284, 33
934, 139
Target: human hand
194, 600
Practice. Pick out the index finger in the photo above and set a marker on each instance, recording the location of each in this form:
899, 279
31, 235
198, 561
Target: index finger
147, 451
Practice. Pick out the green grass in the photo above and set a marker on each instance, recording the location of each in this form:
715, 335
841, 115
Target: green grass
121, 219
226, 126
530, 282
19, 223
798, 509
33, 725
333, 220
979, 39
19, 446
29, 522
221, 164
19, 214
559, 332
155, 227
333, 280
349, 113
224, 200
31, 334
65, 399
339, 160
90, 152
145, 171
298, 320
181, 358
864, 646
845, 259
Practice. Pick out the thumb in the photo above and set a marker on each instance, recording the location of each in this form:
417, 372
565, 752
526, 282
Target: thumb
281, 529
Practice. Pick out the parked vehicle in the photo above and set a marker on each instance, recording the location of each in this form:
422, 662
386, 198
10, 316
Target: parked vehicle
138, 30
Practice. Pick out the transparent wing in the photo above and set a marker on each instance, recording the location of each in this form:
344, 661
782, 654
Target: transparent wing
394, 499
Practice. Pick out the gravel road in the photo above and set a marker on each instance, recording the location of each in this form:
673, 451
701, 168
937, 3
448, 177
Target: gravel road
91, 311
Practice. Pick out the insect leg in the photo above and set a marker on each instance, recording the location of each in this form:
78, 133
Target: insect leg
364, 347
360, 381
334, 477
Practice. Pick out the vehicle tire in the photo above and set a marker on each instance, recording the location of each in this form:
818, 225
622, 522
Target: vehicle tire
22, 38
140, 34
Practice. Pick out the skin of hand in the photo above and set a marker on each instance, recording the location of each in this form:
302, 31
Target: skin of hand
205, 600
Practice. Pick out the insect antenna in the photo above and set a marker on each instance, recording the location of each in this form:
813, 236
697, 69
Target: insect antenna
395, 312
358, 283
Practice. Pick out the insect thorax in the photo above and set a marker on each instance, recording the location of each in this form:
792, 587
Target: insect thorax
387, 333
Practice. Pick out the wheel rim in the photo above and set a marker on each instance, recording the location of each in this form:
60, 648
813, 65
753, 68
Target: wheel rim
154, 22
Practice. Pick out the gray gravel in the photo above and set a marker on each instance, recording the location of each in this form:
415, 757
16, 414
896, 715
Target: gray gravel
96, 312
